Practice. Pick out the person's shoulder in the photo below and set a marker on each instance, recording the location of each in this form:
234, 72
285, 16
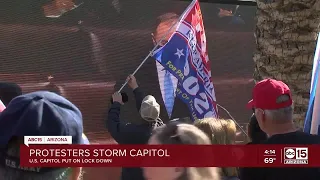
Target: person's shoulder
253, 143
297, 137
139, 133
313, 138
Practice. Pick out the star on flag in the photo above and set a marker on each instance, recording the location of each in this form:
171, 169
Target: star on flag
179, 53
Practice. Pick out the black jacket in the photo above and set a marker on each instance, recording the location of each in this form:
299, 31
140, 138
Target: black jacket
129, 133
284, 173
248, 173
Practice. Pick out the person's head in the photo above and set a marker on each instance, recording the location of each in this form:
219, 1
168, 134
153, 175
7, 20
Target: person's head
8, 91
178, 133
39, 113
222, 132
273, 106
150, 110
255, 133
231, 129
164, 23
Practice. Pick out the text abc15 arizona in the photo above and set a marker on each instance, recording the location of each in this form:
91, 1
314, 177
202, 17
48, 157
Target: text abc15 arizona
295, 155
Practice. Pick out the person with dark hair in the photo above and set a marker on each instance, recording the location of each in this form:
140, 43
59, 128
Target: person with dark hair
255, 133
256, 136
133, 133
9, 91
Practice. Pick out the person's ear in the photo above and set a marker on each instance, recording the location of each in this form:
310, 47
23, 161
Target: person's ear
260, 115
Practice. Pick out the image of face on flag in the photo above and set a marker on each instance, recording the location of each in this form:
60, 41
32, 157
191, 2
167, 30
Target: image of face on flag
185, 56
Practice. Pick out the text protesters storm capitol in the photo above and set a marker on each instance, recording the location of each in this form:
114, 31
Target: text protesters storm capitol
98, 152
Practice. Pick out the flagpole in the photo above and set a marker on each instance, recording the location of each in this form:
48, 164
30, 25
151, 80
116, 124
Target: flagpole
315, 61
156, 46
315, 121
309, 124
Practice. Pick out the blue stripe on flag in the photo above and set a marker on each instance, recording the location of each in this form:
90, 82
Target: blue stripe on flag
308, 120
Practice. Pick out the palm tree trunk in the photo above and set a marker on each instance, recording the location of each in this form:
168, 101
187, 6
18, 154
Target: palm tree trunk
286, 33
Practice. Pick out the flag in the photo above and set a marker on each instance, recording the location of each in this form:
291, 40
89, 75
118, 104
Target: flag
2, 106
185, 57
312, 121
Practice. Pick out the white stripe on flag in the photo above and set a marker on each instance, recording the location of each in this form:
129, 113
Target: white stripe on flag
315, 122
315, 61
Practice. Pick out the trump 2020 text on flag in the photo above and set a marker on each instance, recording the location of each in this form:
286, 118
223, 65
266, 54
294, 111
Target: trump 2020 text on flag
185, 56
312, 121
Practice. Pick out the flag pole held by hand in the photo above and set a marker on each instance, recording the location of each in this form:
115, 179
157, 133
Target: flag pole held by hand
156, 46
146, 58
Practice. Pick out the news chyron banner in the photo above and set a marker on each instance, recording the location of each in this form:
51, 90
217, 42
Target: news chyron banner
47, 140
51, 154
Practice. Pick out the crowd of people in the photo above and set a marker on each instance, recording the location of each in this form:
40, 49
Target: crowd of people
48, 113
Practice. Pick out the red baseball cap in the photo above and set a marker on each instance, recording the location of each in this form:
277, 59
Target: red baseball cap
266, 92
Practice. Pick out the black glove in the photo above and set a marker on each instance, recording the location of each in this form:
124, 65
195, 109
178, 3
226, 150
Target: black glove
125, 98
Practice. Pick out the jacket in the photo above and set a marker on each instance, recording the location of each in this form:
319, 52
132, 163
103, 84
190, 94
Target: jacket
129, 133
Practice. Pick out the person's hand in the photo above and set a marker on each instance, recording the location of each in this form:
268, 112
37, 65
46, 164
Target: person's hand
116, 97
132, 82
224, 13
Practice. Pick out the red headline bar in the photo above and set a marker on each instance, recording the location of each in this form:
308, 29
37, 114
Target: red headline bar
169, 156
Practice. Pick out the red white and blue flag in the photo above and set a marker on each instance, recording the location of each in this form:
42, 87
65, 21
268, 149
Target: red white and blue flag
185, 56
312, 121
2, 106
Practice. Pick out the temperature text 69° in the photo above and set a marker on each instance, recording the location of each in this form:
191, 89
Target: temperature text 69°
269, 160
